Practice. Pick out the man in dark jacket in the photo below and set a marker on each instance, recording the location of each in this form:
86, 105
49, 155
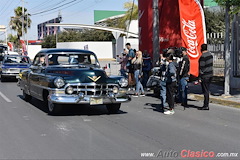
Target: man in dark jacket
205, 74
147, 66
183, 74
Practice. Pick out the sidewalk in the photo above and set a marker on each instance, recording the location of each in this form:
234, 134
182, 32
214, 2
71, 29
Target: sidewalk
216, 95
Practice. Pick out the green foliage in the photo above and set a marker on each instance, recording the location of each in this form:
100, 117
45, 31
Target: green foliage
234, 5
14, 39
72, 36
49, 42
132, 13
96, 35
214, 20
16, 21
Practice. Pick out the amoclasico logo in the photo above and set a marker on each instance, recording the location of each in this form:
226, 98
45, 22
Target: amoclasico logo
189, 30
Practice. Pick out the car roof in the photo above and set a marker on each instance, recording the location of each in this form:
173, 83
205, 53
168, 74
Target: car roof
57, 50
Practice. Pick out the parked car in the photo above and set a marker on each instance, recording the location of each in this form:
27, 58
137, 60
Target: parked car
12, 64
71, 76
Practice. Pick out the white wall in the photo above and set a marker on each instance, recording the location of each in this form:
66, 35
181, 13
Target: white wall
103, 50
133, 41
33, 50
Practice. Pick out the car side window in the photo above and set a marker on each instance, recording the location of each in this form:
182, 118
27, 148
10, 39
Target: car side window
39, 60
36, 60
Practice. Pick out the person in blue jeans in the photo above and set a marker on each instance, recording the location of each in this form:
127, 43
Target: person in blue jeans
147, 66
171, 76
137, 65
163, 68
183, 73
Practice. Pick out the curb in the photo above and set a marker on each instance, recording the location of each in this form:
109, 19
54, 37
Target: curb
216, 100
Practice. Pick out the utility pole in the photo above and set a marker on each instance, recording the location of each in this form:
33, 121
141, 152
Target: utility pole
227, 52
156, 44
27, 32
23, 19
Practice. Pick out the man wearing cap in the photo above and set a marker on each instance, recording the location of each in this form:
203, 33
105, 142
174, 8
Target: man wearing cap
183, 73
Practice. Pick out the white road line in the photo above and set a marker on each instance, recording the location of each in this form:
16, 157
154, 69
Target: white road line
4, 97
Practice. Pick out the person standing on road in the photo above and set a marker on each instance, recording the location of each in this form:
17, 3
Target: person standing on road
137, 65
130, 69
205, 74
147, 66
163, 69
183, 74
123, 62
171, 76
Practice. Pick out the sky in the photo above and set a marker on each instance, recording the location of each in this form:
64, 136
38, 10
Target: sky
76, 11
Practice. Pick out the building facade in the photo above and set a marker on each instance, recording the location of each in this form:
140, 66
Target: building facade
44, 31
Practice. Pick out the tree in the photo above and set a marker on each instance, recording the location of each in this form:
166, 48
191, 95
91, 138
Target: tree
234, 5
49, 42
72, 36
214, 20
14, 40
215, 24
131, 14
231, 6
16, 21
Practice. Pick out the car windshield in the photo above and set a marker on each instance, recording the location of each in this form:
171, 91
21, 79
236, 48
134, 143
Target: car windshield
16, 59
72, 59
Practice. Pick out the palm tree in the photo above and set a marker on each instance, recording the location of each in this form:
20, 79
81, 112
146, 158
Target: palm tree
131, 14
16, 21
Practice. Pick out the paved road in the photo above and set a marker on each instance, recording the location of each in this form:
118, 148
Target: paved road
27, 132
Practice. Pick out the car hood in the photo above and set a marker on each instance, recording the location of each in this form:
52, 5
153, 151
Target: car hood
16, 65
85, 75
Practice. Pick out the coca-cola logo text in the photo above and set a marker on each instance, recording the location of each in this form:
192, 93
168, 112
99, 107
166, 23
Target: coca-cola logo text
189, 30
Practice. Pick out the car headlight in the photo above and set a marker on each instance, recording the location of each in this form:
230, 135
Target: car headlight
115, 90
5, 69
69, 90
123, 82
59, 82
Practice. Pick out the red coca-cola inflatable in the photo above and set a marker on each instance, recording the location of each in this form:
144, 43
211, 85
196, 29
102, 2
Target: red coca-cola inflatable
181, 23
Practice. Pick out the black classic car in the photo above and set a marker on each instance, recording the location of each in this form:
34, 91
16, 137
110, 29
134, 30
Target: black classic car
71, 76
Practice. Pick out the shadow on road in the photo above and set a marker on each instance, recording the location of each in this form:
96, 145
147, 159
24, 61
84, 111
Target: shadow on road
154, 107
9, 80
73, 110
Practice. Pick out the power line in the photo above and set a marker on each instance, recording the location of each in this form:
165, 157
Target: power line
13, 9
4, 9
62, 8
50, 5
54, 8
83, 9
42, 4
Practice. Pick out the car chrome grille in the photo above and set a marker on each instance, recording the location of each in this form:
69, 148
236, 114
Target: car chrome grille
14, 70
93, 90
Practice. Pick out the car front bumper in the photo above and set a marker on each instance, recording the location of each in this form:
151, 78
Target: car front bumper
10, 75
78, 99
